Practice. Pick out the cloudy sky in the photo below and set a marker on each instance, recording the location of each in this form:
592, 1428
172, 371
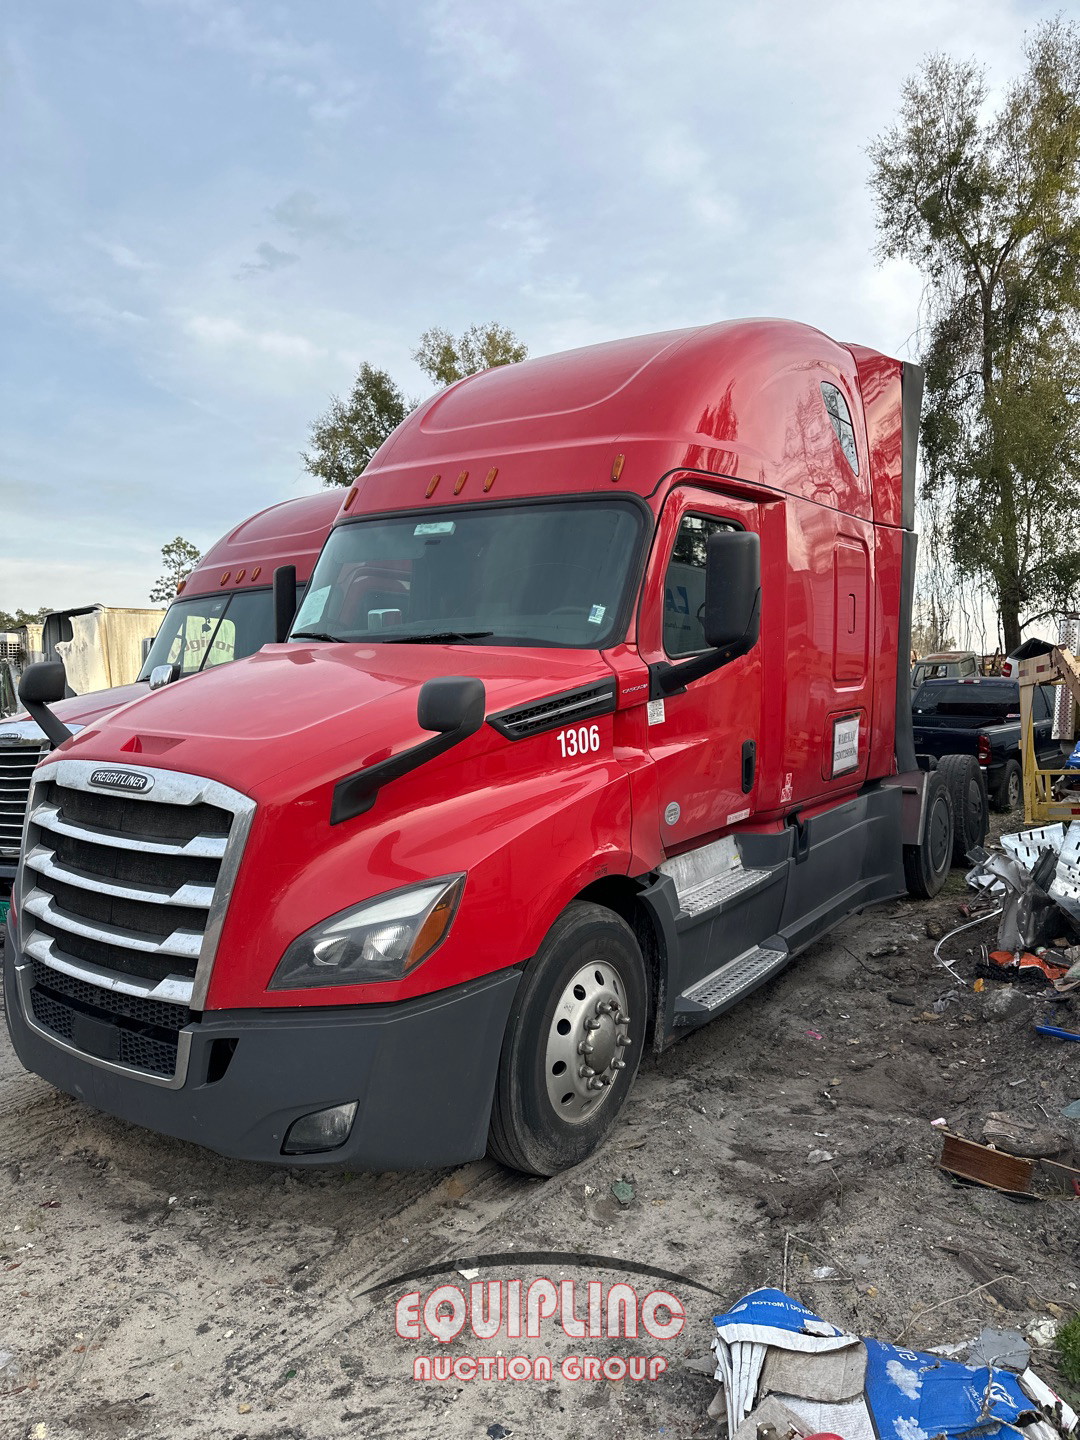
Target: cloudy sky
211, 211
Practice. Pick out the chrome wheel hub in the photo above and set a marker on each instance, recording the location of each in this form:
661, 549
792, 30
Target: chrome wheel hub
587, 1041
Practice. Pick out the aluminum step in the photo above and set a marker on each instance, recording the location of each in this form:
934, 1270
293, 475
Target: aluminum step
711, 893
727, 983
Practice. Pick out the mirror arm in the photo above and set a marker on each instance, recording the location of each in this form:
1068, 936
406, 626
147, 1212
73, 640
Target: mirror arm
284, 601
356, 794
668, 679
53, 727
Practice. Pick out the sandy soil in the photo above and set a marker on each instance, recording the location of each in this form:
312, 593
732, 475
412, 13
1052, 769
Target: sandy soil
149, 1288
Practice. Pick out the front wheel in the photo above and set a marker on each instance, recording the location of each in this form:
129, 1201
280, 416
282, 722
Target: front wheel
573, 1043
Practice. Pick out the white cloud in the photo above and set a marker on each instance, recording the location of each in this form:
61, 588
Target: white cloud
223, 331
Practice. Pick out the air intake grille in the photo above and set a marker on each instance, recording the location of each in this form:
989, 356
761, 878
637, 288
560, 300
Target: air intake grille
16, 767
565, 709
121, 904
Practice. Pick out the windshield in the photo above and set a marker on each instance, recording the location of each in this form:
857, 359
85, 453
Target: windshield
541, 574
208, 630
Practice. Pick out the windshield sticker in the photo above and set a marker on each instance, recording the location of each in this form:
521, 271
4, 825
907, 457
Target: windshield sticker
596, 614
435, 527
311, 607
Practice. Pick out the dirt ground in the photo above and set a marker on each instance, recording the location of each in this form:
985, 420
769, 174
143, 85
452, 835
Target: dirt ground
150, 1288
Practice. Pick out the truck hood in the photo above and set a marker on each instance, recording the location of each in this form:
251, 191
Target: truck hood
316, 711
77, 709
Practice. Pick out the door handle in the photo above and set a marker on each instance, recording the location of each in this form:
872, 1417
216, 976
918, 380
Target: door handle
749, 764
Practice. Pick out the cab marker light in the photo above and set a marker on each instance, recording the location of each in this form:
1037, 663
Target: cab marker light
616, 469
349, 498
432, 483
225, 577
490, 478
460, 483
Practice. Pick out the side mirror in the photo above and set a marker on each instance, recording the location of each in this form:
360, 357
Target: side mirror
451, 705
40, 686
284, 601
163, 675
732, 590
451, 702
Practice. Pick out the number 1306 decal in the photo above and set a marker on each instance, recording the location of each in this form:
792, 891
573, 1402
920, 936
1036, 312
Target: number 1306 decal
579, 741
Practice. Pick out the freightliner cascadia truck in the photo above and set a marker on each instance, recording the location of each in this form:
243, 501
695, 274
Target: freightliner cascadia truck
225, 610
595, 713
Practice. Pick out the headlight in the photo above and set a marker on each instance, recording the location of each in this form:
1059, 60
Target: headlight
382, 939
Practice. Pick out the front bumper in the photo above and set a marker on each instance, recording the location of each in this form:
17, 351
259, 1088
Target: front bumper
423, 1073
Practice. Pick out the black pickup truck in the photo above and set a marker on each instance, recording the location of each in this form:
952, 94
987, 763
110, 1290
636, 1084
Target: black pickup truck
981, 717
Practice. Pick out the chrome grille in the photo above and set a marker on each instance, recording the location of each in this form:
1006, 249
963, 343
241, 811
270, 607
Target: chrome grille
16, 767
121, 901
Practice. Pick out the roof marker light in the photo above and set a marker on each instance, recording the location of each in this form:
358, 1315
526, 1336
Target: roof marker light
431, 486
459, 484
616, 469
256, 572
490, 478
225, 577
239, 576
349, 498
180, 586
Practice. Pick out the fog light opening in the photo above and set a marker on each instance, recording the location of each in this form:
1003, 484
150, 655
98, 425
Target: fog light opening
321, 1130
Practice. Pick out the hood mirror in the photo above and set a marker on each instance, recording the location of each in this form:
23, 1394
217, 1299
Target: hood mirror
163, 675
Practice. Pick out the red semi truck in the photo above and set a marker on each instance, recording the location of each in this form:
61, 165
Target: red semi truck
224, 611
595, 713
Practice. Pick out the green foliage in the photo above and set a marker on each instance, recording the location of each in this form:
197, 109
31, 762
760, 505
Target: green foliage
16, 619
1068, 1348
480, 347
345, 438
988, 208
179, 557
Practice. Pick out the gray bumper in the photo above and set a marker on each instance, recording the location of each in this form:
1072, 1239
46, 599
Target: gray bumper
422, 1072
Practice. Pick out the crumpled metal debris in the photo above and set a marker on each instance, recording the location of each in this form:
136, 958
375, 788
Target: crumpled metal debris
1038, 883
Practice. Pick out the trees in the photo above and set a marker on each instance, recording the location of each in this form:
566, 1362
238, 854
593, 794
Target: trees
346, 436
179, 557
16, 619
480, 347
988, 208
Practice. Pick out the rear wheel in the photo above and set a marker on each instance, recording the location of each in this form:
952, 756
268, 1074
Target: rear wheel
573, 1043
926, 865
1009, 789
971, 812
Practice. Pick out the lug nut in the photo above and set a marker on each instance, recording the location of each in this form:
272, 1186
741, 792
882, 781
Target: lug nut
584, 1070
591, 1024
585, 1047
623, 1039
596, 1083
618, 1064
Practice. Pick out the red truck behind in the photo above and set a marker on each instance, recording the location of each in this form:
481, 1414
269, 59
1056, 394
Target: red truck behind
595, 713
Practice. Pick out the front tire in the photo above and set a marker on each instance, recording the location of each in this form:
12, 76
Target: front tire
573, 1043
926, 865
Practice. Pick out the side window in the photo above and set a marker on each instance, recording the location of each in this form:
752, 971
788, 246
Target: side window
840, 416
1041, 708
684, 585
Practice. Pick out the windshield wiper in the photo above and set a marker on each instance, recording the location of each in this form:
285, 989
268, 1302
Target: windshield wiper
438, 637
316, 635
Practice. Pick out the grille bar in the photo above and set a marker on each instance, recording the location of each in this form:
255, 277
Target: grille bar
17, 764
48, 817
181, 942
176, 989
45, 863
